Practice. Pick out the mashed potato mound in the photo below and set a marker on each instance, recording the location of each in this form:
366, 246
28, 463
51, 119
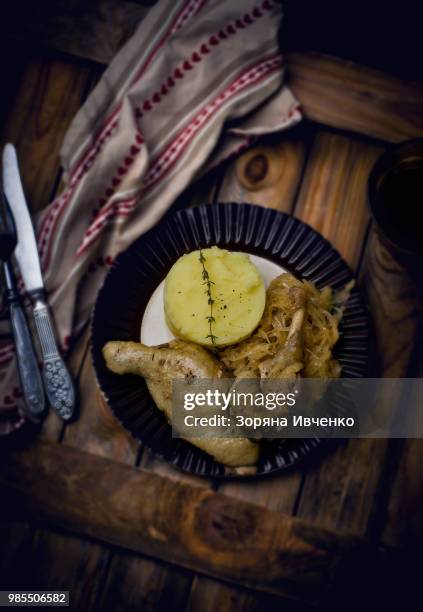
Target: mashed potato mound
213, 297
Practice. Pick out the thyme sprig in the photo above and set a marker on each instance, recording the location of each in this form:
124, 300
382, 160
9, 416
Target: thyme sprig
210, 301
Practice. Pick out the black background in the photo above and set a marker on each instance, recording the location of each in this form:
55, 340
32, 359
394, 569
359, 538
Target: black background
386, 35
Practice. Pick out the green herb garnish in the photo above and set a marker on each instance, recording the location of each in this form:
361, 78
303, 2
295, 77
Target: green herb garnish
210, 301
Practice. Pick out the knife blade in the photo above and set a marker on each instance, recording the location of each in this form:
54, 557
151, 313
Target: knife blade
57, 381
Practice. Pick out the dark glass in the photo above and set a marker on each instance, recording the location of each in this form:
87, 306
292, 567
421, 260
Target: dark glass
396, 198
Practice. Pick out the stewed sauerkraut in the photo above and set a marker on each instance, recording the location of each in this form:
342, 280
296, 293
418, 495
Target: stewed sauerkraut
296, 334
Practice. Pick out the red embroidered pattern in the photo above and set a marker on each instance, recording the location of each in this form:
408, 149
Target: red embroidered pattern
49, 221
155, 99
170, 155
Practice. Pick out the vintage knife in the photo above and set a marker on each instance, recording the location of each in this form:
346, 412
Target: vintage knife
57, 381
31, 383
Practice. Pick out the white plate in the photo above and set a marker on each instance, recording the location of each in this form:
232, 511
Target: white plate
153, 325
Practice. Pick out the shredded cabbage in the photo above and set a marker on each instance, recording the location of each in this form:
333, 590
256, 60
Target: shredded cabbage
312, 357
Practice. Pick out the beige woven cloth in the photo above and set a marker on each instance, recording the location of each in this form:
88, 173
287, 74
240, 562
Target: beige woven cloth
198, 81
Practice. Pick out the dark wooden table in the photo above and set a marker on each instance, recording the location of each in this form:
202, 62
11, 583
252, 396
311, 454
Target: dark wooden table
86, 508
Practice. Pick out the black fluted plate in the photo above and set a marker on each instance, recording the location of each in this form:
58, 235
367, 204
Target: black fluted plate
137, 272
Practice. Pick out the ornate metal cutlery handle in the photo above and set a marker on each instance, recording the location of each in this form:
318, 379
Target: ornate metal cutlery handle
57, 380
31, 384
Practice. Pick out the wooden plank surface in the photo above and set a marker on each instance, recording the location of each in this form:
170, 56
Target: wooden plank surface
16, 541
403, 524
331, 91
352, 97
333, 194
96, 430
93, 30
268, 174
186, 525
340, 491
58, 561
209, 595
134, 583
49, 95
395, 295
394, 292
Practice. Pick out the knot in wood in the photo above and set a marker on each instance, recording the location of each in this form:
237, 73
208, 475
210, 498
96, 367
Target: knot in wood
256, 168
226, 525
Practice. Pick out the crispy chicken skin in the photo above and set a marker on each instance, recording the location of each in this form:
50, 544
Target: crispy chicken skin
177, 359
159, 365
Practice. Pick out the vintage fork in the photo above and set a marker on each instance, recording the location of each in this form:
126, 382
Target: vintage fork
29, 374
